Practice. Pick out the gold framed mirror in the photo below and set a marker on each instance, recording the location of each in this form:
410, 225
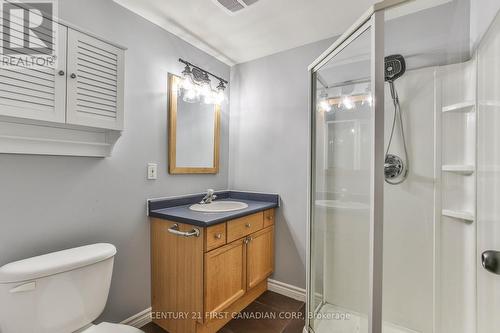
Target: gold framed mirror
194, 133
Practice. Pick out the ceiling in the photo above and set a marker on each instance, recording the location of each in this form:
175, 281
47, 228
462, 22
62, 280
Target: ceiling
263, 28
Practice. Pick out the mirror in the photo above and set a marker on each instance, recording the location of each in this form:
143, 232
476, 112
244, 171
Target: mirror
193, 133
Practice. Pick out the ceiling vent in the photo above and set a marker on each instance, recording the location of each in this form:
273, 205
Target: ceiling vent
234, 6
249, 2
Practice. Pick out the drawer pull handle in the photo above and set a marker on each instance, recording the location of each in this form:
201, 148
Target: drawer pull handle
248, 225
218, 236
175, 230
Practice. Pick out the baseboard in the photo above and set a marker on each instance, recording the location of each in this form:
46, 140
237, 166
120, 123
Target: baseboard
286, 290
139, 320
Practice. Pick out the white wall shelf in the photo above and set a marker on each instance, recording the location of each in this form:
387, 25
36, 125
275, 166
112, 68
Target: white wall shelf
45, 138
459, 168
457, 214
460, 107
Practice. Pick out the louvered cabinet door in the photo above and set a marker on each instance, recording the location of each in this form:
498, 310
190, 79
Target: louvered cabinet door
95, 82
32, 92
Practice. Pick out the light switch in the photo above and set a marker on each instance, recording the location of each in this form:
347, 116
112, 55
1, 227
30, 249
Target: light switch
152, 171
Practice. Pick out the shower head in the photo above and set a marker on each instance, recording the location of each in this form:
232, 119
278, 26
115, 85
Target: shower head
395, 67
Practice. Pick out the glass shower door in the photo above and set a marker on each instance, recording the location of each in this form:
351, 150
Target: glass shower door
342, 188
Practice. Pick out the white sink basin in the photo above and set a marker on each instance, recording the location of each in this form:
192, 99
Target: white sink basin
219, 206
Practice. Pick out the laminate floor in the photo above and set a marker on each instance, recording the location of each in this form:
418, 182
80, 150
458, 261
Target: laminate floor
270, 313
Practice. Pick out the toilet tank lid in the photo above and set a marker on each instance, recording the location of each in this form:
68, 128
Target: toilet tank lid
56, 262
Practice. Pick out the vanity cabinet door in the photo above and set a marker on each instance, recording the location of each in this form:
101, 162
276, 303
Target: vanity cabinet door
225, 276
260, 256
95, 82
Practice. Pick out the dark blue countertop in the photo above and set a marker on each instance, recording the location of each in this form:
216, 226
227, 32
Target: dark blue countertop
177, 209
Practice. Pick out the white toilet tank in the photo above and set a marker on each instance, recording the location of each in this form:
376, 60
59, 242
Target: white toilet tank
60, 292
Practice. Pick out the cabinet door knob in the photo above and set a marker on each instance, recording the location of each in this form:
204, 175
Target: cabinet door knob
61, 73
218, 236
73, 75
248, 225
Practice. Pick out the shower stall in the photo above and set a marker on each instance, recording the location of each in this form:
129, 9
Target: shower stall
404, 214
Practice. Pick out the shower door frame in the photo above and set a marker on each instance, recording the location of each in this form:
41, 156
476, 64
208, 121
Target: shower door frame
373, 19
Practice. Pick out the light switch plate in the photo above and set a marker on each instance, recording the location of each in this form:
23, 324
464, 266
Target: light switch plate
152, 171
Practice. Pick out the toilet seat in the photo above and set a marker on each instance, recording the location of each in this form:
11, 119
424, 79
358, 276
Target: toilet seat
111, 328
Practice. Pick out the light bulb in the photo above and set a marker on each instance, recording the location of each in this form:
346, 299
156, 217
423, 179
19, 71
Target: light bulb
219, 97
348, 103
190, 96
209, 98
187, 84
205, 90
325, 106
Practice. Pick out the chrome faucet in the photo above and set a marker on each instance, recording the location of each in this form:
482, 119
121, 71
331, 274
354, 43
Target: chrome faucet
209, 197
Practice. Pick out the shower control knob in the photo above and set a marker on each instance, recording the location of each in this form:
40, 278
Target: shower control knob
491, 261
393, 167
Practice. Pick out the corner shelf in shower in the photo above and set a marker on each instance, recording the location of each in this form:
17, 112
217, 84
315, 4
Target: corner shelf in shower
489, 103
457, 214
459, 168
460, 107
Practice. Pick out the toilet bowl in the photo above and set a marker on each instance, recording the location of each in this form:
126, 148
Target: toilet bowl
110, 328
60, 292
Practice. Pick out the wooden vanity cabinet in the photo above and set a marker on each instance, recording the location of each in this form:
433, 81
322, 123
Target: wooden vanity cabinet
260, 262
225, 279
199, 281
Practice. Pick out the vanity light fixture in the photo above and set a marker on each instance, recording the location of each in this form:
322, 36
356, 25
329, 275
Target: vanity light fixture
196, 85
342, 103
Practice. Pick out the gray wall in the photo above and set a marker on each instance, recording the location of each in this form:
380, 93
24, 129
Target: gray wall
52, 203
482, 13
269, 138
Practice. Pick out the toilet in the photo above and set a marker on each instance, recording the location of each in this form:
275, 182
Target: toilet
60, 292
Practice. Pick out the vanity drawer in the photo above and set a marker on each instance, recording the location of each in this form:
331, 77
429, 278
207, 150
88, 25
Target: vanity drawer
215, 236
268, 218
244, 226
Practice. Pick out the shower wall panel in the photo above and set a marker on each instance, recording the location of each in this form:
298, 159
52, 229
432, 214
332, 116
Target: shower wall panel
488, 176
409, 207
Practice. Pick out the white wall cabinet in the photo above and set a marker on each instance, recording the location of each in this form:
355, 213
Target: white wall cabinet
35, 93
95, 82
48, 110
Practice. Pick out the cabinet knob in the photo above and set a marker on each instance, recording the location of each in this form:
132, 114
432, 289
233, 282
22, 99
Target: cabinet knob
248, 240
248, 225
218, 236
73, 76
61, 73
